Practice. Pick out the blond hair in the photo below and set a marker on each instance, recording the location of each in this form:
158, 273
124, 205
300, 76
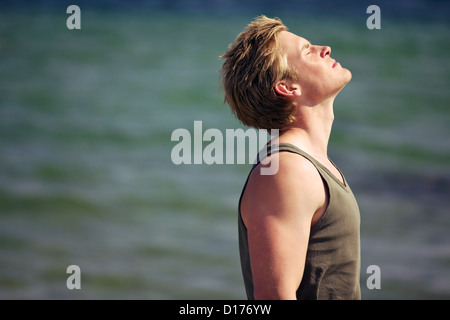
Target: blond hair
253, 65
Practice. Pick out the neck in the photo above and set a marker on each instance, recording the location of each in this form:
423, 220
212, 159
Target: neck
312, 128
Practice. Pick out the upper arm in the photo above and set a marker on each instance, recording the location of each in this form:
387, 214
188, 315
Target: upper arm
277, 212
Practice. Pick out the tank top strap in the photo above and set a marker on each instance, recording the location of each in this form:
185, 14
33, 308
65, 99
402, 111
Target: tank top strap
287, 147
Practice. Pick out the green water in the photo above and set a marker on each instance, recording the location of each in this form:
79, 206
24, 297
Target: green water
86, 176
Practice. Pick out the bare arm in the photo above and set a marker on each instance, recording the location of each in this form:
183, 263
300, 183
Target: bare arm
277, 211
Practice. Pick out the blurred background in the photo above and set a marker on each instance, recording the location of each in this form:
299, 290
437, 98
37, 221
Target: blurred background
86, 118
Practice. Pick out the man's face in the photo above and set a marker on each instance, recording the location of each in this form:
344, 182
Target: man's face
320, 76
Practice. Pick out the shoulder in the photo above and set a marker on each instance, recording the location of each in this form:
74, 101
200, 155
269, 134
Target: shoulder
294, 170
296, 187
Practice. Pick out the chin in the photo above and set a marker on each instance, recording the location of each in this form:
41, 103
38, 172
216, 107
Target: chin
348, 75
345, 79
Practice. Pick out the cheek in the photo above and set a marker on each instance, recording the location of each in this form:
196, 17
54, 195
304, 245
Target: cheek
315, 75
319, 82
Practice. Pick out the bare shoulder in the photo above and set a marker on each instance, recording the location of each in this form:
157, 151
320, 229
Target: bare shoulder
292, 168
296, 187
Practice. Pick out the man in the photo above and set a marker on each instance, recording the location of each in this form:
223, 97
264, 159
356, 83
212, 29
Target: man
298, 228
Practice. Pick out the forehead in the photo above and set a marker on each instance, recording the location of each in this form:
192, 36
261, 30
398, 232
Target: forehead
290, 41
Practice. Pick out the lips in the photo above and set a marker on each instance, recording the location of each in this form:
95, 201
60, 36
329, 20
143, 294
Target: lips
335, 63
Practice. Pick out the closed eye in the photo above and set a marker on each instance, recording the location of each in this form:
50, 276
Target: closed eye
306, 48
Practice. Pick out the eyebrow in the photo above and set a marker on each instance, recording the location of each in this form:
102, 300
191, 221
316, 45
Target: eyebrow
306, 46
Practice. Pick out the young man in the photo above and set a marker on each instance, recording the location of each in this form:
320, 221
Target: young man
298, 228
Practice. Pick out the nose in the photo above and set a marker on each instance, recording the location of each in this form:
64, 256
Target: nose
326, 51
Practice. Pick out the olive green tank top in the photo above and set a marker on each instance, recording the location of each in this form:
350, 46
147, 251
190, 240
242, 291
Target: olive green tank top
332, 266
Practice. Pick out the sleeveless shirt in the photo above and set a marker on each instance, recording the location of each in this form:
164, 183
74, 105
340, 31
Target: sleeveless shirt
332, 265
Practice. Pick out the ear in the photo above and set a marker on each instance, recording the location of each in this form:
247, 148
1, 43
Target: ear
288, 89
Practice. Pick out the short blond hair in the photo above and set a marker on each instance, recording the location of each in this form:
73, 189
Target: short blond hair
253, 65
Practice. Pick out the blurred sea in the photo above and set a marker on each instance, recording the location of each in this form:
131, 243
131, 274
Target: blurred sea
86, 118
